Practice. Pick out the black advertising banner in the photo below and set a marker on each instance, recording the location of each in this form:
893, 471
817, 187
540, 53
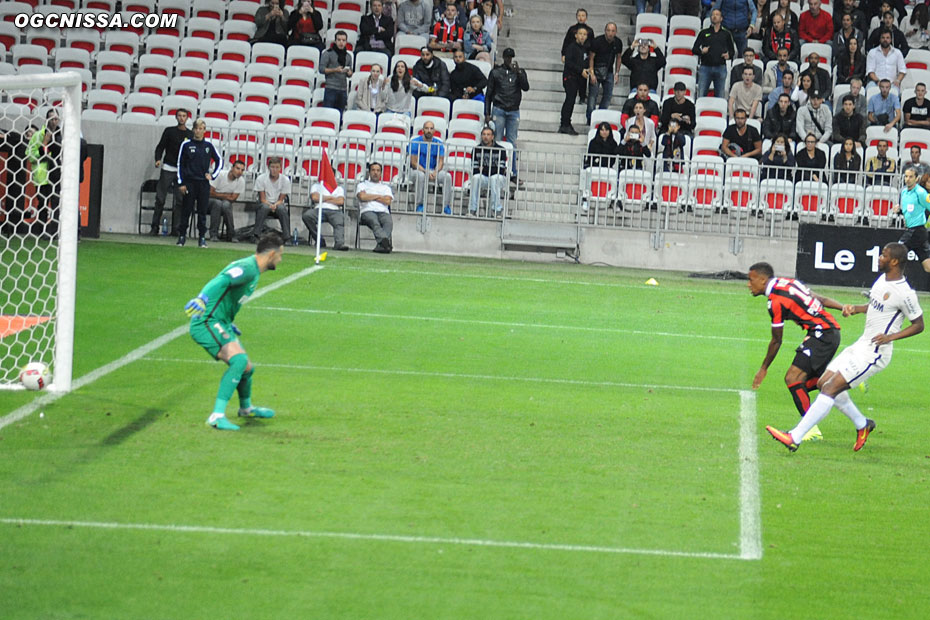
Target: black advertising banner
848, 256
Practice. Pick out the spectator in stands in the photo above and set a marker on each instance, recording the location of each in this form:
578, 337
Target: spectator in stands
857, 18
816, 26
44, 155
642, 96
820, 76
736, 73
427, 155
780, 37
815, 118
842, 34
336, 65
885, 62
645, 62
506, 85
792, 22
273, 189
15, 145
685, 7
466, 80
372, 93
432, 73
602, 149
603, 68
680, 109
802, 91
898, 38
574, 75
374, 202
647, 127
847, 162
810, 160
885, 107
414, 17
741, 139
478, 41
166, 158
632, 151
738, 17
779, 162
671, 146
746, 95
714, 45
880, 169
773, 74
376, 31
461, 13
271, 23
761, 24
918, 30
917, 109
655, 5
581, 16
328, 209
848, 124
489, 171
224, 191
855, 89
850, 63
493, 18
787, 88
919, 167
305, 26
781, 120
447, 36
399, 93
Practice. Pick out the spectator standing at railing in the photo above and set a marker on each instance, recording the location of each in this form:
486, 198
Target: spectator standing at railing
848, 124
781, 120
850, 63
271, 23
815, 118
779, 162
336, 65
603, 68
489, 170
917, 108
746, 95
376, 31
738, 17
885, 62
741, 139
645, 62
671, 146
915, 164
714, 46
816, 26
574, 76
680, 109
642, 96
632, 151
880, 168
780, 37
415, 17
224, 191
811, 160
847, 162
305, 26
898, 38
506, 85
884, 107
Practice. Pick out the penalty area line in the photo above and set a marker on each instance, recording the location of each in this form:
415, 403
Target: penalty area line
50, 397
390, 538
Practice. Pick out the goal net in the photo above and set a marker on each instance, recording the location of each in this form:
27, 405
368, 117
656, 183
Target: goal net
39, 153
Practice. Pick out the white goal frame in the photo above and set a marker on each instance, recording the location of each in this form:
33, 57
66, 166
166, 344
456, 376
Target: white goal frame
70, 114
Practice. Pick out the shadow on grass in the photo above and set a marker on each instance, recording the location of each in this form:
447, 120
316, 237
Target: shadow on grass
122, 434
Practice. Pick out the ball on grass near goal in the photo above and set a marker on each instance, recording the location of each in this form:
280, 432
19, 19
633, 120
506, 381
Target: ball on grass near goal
35, 376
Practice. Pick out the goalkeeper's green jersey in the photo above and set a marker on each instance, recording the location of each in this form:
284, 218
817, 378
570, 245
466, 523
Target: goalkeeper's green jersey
229, 290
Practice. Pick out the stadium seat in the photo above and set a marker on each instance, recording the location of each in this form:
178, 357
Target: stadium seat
459, 164
681, 66
257, 92
689, 81
217, 131
117, 81
705, 186
99, 115
303, 56
227, 70
238, 30
467, 109
653, 25
27, 54
10, 35
152, 84
345, 20
210, 9
684, 25
121, 41
136, 118
915, 137
253, 111
879, 200
359, 120
262, 73
634, 189
409, 45
175, 7
710, 126
435, 107
295, 96
71, 58
242, 10
139, 6
299, 76
156, 64
469, 131
171, 104
390, 150
485, 67
46, 37
710, 107
144, 103
282, 141
108, 100
175, 30
365, 60
876, 133
197, 47
741, 183
237, 51
351, 157
9, 9
918, 59
913, 77
318, 136
846, 202
227, 90
679, 46
323, 117
310, 161
354, 6
269, 54
187, 86
192, 68
670, 191
163, 45
246, 142
7, 69
600, 186
291, 115
810, 200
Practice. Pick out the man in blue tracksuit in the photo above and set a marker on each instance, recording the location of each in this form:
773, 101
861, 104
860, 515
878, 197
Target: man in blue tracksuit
194, 176
739, 17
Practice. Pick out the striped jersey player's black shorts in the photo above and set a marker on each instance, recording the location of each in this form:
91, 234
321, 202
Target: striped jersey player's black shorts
916, 239
816, 351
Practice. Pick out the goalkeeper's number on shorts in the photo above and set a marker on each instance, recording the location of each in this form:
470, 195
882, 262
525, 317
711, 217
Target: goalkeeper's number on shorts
196, 306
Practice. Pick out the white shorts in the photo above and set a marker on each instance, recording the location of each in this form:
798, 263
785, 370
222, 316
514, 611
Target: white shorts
858, 362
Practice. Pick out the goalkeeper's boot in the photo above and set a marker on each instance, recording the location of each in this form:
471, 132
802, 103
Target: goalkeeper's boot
783, 437
256, 412
863, 433
221, 423
813, 435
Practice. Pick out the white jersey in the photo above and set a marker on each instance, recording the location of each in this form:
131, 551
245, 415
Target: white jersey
889, 303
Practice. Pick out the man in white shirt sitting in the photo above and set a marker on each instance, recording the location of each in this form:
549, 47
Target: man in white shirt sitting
331, 203
374, 199
224, 191
885, 63
273, 189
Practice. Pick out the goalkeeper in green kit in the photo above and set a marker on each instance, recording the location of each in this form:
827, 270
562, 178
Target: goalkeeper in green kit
212, 313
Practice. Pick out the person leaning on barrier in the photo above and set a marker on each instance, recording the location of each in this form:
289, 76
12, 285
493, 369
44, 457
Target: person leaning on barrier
331, 204
224, 191
489, 170
374, 200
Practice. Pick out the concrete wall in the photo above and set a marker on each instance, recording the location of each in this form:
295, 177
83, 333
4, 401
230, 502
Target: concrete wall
129, 157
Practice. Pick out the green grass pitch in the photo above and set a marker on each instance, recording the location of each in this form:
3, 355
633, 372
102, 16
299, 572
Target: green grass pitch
455, 438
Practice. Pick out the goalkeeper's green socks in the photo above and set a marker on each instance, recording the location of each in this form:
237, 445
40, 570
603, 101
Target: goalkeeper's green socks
228, 384
245, 390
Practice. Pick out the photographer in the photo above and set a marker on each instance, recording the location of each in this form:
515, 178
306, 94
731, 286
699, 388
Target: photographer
645, 62
271, 23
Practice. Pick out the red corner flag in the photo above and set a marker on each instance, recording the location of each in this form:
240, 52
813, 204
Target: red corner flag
327, 176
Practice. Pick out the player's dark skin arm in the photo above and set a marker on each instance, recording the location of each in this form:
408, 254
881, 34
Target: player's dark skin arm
774, 346
916, 327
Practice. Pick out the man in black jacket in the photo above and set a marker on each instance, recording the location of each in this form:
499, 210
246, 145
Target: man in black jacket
506, 85
582, 16
574, 75
166, 158
490, 170
432, 72
714, 46
848, 124
466, 80
194, 176
781, 119
645, 62
376, 31
680, 109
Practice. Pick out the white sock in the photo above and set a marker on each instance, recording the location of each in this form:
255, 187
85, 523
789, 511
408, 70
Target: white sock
817, 412
845, 404
216, 415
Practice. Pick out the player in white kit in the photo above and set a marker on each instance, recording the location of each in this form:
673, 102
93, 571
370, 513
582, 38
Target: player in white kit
890, 300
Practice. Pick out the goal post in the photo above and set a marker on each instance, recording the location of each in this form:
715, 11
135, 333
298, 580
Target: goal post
39, 224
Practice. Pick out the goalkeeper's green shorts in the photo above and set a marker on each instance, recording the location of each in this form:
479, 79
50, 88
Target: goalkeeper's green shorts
212, 336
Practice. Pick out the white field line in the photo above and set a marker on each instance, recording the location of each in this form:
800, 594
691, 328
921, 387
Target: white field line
390, 538
134, 355
457, 375
750, 515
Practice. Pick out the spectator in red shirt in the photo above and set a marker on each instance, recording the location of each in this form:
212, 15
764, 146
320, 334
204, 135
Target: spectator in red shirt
816, 25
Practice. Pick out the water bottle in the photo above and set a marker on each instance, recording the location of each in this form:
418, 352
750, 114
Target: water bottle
164, 227
294, 238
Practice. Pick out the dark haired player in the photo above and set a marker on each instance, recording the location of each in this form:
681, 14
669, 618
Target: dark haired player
790, 300
212, 313
891, 299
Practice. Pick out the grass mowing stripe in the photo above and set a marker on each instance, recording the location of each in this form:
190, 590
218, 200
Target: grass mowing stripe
750, 517
457, 375
396, 538
134, 355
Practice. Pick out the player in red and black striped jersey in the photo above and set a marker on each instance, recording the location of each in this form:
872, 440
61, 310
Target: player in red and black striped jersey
790, 300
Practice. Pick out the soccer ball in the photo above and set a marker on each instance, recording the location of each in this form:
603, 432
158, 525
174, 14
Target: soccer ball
35, 376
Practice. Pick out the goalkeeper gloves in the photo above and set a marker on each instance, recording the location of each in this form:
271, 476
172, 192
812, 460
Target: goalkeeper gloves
196, 306
235, 329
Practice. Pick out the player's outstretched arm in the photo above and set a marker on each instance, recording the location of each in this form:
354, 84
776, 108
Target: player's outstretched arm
771, 352
916, 326
851, 309
828, 302
196, 306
